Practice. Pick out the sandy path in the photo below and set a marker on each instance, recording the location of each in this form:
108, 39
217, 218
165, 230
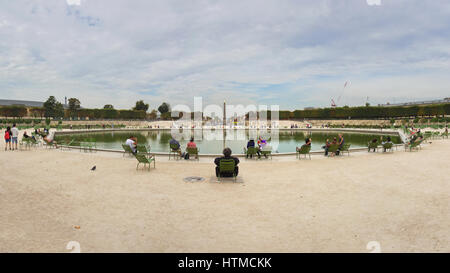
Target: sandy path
337, 204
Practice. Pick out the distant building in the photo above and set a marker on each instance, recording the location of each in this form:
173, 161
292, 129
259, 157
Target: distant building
309, 108
426, 102
25, 103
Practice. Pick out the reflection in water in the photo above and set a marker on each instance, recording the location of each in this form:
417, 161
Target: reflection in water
213, 141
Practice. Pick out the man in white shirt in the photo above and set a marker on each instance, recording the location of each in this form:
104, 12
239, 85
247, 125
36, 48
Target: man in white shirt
50, 139
132, 142
15, 135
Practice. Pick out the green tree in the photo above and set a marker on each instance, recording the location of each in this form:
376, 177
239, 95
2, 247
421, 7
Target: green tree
74, 106
18, 111
108, 106
153, 114
13, 111
37, 112
164, 108
59, 110
141, 106
49, 106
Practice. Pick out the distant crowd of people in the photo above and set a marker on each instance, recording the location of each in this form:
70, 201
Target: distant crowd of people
11, 137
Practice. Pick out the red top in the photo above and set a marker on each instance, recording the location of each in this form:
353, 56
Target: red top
191, 145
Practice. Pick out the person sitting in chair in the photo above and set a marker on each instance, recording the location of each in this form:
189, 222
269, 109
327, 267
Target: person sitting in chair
50, 139
308, 141
175, 143
132, 142
226, 155
374, 141
191, 144
251, 144
388, 140
25, 135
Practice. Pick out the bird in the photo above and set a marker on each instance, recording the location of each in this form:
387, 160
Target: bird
94, 168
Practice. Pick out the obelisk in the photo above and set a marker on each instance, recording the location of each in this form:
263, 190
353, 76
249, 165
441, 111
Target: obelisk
224, 122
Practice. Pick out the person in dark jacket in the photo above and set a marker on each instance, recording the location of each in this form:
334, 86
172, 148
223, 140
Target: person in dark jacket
227, 155
251, 144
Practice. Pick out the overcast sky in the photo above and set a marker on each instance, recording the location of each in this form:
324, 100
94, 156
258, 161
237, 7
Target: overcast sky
291, 53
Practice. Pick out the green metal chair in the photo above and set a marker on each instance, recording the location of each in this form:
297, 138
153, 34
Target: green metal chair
87, 145
304, 150
142, 149
428, 135
333, 149
143, 159
193, 152
345, 149
227, 166
413, 146
388, 146
66, 143
174, 150
435, 135
266, 153
372, 145
25, 143
250, 151
127, 150
34, 143
92, 142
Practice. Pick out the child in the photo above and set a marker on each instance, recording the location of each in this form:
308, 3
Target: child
8, 138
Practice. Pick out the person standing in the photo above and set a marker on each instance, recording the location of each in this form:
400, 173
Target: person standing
326, 146
8, 138
341, 143
15, 136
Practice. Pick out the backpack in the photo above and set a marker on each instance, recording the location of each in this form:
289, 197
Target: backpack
186, 156
7, 136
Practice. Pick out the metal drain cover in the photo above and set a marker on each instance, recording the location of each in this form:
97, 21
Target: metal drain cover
193, 179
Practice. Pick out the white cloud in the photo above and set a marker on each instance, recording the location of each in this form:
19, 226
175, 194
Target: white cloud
373, 2
292, 53
73, 2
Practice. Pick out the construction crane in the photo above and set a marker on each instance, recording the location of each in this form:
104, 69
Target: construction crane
333, 103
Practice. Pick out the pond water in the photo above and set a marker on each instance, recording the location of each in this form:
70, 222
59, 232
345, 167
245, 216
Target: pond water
212, 141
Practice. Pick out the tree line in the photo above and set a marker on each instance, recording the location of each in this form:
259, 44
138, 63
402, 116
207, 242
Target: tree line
54, 109
367, 112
